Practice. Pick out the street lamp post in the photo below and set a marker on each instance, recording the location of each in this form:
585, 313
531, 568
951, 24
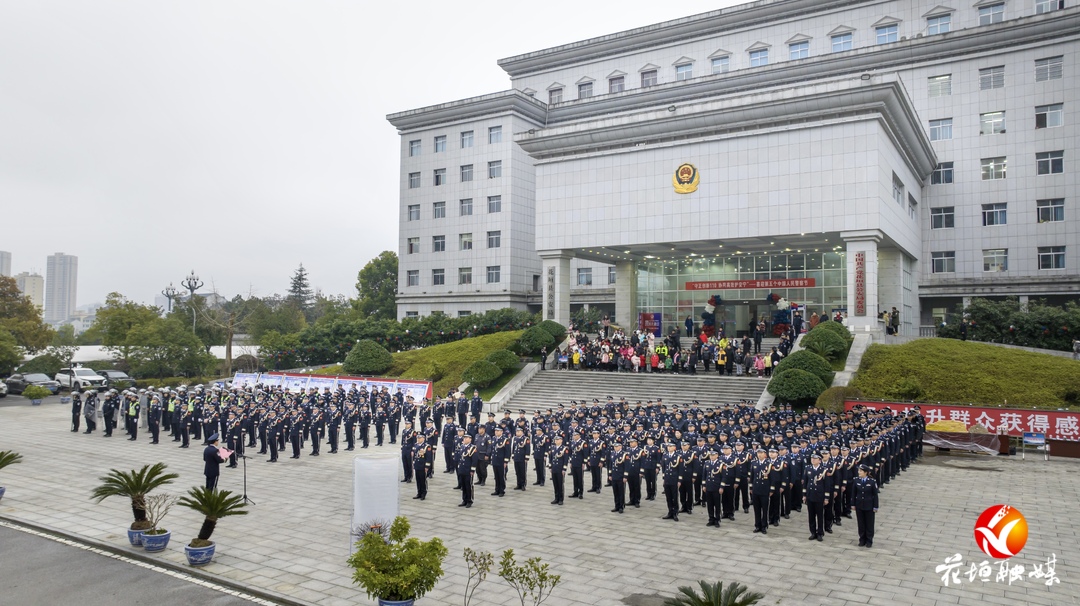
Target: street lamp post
192, 283
170, 293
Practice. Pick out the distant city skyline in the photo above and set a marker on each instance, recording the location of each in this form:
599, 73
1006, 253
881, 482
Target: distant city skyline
5, 263
32, 286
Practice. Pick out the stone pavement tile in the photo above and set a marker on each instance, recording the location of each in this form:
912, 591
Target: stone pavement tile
301, 523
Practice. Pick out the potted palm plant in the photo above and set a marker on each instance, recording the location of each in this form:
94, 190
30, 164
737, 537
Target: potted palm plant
134, 485
36, 393
395, 568
8, 457
214, 505
157, 507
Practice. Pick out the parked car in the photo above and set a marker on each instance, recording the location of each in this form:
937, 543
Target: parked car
117, 379
80, 378
17, 383
3, 389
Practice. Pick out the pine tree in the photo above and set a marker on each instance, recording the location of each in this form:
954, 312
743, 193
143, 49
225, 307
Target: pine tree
300, 290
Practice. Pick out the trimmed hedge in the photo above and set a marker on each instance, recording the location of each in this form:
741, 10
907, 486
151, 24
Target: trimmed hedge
367, 357
36, 392
503, 359
481, 373
808, 361
944, 370
834, 327
825, 343
553, 328
832, 399
173, 382
796, 387
535, 338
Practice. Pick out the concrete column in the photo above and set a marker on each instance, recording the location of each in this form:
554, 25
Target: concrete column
626, 295
1024, 299
862, 264
556, 285
891, 281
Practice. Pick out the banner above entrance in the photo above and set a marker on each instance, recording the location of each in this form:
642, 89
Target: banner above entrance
746, 284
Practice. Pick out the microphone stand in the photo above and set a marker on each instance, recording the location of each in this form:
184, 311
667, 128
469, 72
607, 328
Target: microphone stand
246, 498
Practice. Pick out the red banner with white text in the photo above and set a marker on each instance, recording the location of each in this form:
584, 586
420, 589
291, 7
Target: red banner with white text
1057, 425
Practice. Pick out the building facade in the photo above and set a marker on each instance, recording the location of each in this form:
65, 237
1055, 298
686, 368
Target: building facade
32, 286
61, 286
849, 156
5, 263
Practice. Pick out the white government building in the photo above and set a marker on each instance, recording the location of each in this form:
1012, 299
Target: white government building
849, 155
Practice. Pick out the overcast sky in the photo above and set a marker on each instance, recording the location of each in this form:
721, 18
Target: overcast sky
239, 138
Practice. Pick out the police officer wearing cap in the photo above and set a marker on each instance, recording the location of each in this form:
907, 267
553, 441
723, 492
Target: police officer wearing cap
500, 453
421, 463
212, 462
672, 467
816, 496
558, 459
865, 499
761, 489
465, 460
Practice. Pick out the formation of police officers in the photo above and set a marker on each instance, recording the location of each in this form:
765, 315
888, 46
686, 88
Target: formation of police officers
723, 458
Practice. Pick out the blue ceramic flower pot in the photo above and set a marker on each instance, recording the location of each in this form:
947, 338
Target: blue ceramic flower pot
135, 537
199, 556
156, 542
2, 491
383, 602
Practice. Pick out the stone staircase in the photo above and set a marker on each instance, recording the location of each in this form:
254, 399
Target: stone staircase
549, 388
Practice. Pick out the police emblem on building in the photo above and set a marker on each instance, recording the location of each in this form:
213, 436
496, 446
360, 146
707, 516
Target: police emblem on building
685, 179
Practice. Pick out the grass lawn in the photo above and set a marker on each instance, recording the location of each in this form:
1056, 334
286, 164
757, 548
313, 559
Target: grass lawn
446, 361
489, 392
951, 371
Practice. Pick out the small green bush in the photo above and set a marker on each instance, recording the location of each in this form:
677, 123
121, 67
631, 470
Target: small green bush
796, 387
481, 373
832, 399
553, 328
834, 327
367, 357
36, 392
825, 343
906, 388
535, 338
428, 371
503, 359
45, 364
808, 361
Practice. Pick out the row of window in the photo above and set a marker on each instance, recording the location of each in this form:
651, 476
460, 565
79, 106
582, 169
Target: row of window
465, 242
465, 208
462, 313
997, 259
1046, 69
465, 173
465, 276
884, 33
494, 276
993, 123
1046, 163
465, 139
1051, 210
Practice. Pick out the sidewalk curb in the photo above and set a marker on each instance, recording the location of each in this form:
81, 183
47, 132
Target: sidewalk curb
141, 556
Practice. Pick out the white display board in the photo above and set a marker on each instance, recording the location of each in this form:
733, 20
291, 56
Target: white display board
375, 488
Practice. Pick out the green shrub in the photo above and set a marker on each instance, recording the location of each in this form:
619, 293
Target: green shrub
553, 328
825, 343
36, 392
450, 358
944, 370
834, 327
503, 359
533, 339
796, 387
367, 357
808, 361
481, 373
832, 399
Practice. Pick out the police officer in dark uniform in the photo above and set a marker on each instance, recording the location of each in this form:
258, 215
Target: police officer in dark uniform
865, 499
420, 464
578, 461
333, 427
633, 479
483, 454
672, 468
620, 467
408, 440
76, 409
465, 459
273, 434
153, 418
816, 496
557, 461
540, 447
521, 452
727, 483
761, 488
691, 472
449, 442
597, 450
713, 470
500, 453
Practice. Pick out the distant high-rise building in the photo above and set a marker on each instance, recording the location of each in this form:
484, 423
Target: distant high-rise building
33, 287
5, 263
62, 277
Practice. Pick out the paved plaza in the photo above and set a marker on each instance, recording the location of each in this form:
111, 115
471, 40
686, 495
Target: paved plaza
294, 543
